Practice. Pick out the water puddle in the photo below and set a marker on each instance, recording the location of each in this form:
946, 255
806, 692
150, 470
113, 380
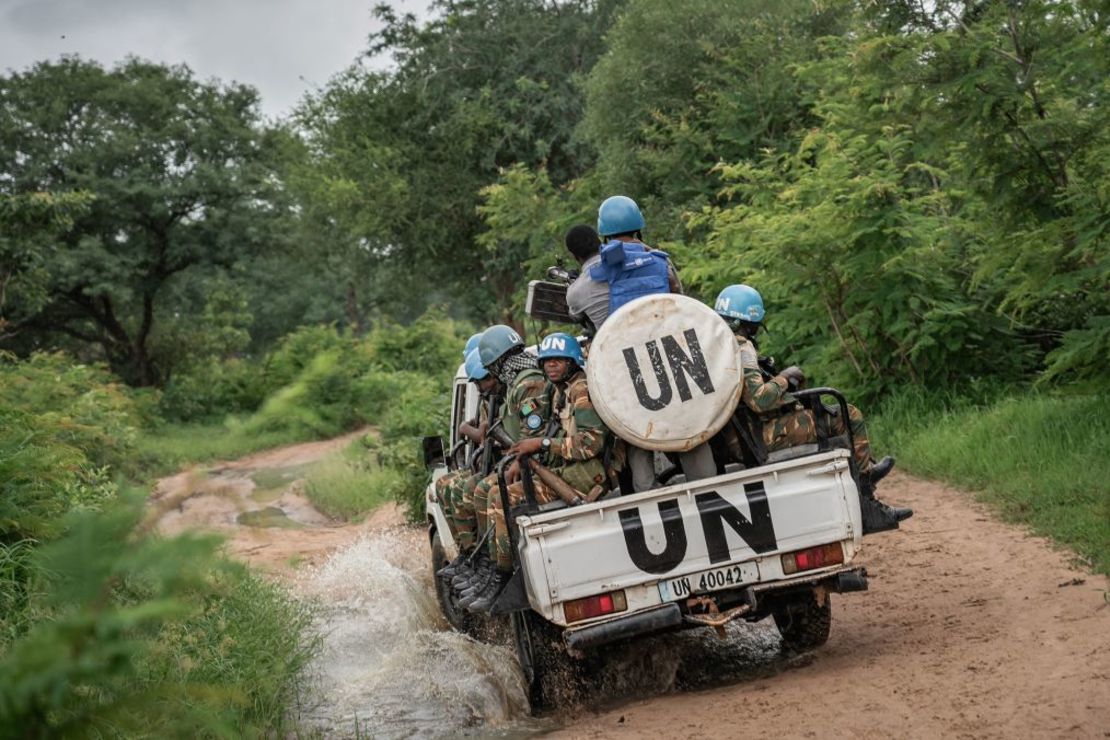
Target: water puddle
271, 516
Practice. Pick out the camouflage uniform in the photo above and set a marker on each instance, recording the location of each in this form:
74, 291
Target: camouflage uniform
785, 423
576, 454
525, 402
454, 490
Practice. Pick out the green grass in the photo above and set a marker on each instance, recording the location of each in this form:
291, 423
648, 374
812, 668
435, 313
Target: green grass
348, 485
169, 447
1041, 460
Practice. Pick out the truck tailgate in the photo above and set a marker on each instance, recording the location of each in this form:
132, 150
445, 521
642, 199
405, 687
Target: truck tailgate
685, 529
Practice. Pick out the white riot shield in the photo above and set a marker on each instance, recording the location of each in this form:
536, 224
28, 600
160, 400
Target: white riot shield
664, 372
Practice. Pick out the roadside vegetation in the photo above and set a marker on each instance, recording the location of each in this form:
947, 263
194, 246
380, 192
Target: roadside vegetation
919, 190
1041, 460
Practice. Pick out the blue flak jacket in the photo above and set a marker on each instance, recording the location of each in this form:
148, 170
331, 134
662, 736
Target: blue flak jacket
632, 271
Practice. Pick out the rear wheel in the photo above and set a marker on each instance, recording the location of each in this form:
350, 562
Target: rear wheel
550, 674
804, 625
459, 618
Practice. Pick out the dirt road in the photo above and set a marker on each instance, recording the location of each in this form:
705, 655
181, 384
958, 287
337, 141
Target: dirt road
972, 628
257, 504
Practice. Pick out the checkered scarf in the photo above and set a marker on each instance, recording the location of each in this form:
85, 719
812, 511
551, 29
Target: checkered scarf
507, 368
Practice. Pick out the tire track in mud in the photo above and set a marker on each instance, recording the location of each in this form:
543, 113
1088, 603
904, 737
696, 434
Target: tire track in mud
967, 631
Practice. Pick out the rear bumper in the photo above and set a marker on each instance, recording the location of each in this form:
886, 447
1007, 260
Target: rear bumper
657, 619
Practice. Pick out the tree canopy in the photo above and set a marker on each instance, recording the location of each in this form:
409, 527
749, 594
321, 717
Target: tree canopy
181, 176
918, 189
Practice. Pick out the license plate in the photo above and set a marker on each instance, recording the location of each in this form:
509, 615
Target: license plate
730, 576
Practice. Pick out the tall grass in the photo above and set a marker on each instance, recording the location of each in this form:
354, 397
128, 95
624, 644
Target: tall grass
350, 484
1041, 460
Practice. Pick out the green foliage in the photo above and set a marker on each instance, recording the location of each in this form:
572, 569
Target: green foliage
42, 479
403, 154
1043, 460
348, 485
183, 177
139, 635
213, 390
81, 405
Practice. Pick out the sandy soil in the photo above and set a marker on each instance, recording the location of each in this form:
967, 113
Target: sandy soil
972, 628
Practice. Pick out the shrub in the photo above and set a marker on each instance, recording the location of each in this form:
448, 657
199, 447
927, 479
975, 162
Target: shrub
214, 390
149, 636
82, 405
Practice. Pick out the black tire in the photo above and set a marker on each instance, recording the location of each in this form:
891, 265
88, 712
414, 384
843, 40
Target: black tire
550, 674
456, 616
804, 625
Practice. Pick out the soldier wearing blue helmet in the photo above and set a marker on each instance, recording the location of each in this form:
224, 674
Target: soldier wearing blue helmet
775, 417
455, 490
576, 445
524, 413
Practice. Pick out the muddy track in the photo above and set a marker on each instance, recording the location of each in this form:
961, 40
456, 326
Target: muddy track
972, 628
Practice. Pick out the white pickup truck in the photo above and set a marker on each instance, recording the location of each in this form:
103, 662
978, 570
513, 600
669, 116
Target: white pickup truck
773, 540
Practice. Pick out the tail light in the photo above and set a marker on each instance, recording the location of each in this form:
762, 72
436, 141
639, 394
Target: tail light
595, 606
814, 557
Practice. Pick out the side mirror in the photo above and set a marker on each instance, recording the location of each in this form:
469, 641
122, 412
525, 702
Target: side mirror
433, 452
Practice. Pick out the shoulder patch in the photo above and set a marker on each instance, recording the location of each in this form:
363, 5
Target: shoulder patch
533, 421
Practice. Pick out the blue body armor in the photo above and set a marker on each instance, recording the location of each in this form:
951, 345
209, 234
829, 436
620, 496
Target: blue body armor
632, 271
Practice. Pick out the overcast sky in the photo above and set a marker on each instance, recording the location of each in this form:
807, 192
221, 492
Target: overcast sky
281, 47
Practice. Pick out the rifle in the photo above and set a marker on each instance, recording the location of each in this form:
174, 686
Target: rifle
565, 491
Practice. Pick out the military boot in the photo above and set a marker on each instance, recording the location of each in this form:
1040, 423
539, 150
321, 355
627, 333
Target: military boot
878, 516
453, 568
484, 601
879, 470
477, 588
478, 566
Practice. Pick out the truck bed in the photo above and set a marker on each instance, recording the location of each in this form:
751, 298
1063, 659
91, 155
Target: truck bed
665, 545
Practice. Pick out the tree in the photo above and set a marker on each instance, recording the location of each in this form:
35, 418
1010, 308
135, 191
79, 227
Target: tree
683, 86
481, 87
183, 178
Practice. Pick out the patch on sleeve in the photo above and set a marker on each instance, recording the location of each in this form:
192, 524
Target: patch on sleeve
533, 422
527, 408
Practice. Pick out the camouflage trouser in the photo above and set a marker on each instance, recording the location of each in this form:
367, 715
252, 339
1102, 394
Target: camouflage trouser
799, 428
455, 493
469, 513
500, 549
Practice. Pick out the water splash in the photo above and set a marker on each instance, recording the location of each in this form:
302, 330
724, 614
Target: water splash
390, 666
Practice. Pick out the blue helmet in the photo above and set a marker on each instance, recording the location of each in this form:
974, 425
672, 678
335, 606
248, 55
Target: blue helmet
496, 341
561, 345
474, 369
472, 344
740, 302
619, 214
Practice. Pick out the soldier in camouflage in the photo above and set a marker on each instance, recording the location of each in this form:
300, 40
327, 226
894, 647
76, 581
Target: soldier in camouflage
577, 446
524, 413
455, 491
784, 422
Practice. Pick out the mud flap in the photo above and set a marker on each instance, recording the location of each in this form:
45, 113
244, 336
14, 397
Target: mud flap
514, 597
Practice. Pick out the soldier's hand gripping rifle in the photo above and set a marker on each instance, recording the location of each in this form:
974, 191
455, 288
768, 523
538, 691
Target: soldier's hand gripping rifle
565, 491
483, 455
568, 494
